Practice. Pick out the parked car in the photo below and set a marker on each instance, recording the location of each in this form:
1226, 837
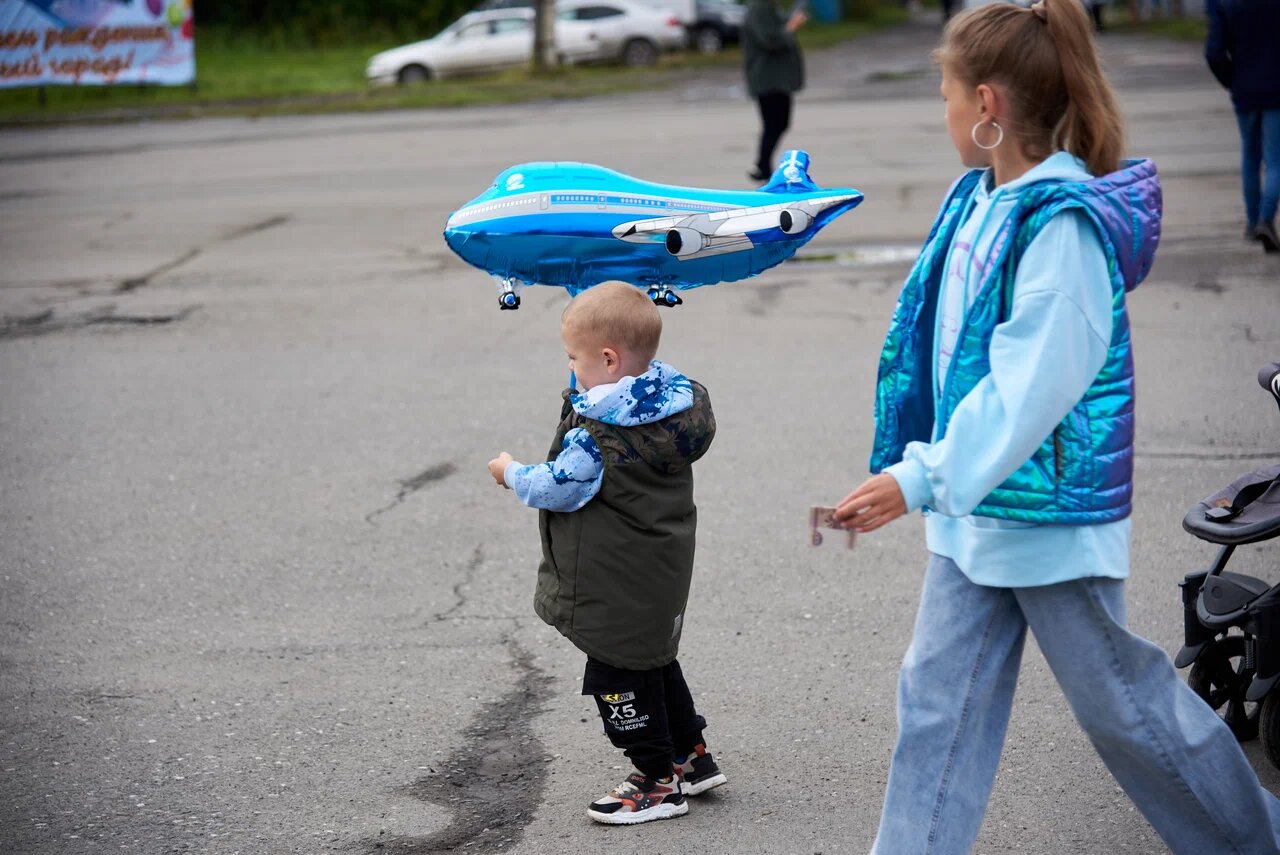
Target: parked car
476, 42
624, 30
717, 23
494, 38
685, 10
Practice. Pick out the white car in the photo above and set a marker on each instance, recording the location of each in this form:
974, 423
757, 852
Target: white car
631, 32
585, 30
476, 42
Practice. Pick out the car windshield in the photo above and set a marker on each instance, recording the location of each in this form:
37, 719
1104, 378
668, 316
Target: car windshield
453, 29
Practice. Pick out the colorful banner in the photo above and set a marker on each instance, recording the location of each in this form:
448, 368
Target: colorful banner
96, 42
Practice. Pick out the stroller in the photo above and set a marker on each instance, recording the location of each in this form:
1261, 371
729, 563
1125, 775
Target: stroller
1232, 621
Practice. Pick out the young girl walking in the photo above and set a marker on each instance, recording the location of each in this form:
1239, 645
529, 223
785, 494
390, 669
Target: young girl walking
1004, 409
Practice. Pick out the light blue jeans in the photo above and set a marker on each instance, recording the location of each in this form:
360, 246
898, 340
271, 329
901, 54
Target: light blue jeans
1172, 754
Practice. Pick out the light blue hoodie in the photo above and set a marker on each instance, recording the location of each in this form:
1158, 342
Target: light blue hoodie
1059, 328
574, 477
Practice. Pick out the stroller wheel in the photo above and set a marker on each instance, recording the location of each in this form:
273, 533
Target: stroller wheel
1220, 677
1269, 728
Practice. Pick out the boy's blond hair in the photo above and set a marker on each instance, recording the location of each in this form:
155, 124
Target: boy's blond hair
618, 315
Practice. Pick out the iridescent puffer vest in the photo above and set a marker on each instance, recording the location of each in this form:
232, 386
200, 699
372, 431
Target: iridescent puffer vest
1082, 474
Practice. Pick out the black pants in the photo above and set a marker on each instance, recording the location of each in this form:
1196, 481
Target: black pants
648, 714
775, 113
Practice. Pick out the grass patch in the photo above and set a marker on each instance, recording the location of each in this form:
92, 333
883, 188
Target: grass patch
226, 71
239, 76
317, 83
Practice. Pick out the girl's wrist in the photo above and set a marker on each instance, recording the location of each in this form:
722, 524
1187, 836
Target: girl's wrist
913, 481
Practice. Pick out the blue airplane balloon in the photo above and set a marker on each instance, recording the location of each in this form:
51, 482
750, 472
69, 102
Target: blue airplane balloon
576, 225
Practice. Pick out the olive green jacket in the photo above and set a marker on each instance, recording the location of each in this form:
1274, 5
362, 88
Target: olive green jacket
770, 54
615, 574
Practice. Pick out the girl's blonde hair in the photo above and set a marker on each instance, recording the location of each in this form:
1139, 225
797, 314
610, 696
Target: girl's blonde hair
1045, 58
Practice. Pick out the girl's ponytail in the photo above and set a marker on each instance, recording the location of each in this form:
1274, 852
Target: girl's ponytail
1045, 58
1091, 129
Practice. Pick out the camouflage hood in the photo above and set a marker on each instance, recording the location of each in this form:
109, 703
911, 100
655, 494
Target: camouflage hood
667, 417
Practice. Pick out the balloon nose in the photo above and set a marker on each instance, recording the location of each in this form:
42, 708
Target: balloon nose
457, 237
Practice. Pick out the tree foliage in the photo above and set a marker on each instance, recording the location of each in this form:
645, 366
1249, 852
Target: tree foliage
323, 23
331, 22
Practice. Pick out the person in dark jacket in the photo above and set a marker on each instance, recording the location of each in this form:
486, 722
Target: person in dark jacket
775, 71
1243, 51
617, 520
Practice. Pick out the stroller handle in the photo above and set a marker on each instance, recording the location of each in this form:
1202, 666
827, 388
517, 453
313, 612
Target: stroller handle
1269, 379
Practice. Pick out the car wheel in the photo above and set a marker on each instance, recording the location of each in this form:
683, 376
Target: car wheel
639, 52
708, 40
415, 73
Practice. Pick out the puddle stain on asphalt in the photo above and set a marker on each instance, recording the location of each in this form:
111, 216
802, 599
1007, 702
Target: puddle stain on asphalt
48, 321
494, 781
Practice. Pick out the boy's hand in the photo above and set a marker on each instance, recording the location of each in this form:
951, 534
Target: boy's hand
498, 468
876, 502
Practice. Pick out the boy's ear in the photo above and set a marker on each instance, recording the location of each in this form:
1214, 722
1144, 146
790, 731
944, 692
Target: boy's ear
611, 358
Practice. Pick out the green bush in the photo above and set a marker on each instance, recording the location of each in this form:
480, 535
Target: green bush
327, 23
338, 23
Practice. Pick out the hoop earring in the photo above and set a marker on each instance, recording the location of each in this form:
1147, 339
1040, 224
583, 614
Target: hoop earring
973, 135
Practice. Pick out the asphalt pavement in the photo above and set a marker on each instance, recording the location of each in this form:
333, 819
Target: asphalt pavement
259, 594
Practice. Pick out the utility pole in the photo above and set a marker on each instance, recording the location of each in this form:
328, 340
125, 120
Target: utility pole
544, 34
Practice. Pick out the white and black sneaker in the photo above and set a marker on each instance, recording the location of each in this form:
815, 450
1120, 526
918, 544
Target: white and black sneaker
699, 772
640, 799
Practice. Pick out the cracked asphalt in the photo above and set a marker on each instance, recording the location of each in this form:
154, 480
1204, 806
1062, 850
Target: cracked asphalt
259, 594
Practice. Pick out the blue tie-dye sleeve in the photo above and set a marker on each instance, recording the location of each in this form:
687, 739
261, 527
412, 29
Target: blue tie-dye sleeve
564, 484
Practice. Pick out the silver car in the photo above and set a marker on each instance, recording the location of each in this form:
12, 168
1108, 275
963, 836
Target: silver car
631, 32
478, 42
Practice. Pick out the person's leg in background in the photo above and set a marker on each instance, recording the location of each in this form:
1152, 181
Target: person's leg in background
775, 117
954, 697
1173, 756
1250, 123
1095, 9
1269, 197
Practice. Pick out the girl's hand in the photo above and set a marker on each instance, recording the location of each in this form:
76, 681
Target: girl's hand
876, 502
796, 21
498, 468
